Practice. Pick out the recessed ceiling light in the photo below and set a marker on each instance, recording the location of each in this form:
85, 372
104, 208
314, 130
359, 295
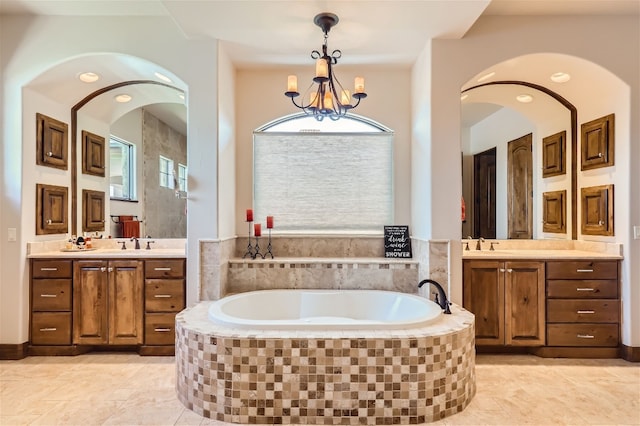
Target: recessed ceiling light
123, 98
88, 77
486, 76
524, 98
163, 77
560, 77
464, 96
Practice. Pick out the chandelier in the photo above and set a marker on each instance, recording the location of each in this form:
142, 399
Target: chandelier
326, 96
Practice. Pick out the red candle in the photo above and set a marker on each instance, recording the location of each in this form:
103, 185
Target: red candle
269, 222
249, 215
257, 229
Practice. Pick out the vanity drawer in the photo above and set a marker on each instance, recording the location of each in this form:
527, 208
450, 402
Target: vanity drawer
51, 295
159, 329
51, 328
164, 295
582, 289
601, 335
583, 269
51, 269
164, 268
581, 310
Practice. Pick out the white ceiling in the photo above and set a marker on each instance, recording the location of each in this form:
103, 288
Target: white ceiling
281, 32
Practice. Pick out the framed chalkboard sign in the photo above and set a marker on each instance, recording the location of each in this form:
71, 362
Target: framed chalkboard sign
397, 242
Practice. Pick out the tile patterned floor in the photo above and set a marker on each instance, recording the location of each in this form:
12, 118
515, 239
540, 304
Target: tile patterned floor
126, 389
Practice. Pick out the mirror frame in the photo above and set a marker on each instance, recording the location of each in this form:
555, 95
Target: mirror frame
74, 140
574, 140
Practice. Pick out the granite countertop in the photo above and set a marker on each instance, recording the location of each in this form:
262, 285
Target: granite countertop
111, 254
541, 254
110, 249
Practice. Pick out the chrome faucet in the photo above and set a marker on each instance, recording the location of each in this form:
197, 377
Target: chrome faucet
478, 245
442, 299
137, 247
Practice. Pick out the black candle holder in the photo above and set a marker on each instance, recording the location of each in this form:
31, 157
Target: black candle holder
268, 252
250, 248
257, 249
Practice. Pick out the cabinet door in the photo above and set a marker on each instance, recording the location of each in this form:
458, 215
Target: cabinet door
524, 303
483, 294
90, 302
126, 302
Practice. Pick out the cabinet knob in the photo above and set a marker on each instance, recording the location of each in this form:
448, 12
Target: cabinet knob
599, 155
502, 270
103, 269
110, 269
601, 222
49, 154
49, 221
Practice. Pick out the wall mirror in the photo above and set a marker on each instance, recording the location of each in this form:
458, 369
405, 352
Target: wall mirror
149, 157
503, 184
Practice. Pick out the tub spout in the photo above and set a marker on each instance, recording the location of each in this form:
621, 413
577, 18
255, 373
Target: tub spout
441, 296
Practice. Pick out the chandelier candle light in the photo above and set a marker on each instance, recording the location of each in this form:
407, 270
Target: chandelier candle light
328, 98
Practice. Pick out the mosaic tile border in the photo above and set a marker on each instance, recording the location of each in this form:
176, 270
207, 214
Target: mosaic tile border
320, 265
252, 377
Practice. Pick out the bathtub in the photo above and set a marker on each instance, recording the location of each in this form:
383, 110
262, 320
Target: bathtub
323, 309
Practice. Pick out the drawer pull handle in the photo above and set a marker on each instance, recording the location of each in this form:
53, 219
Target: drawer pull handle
585, 289
162, 295
584, 270
49, 329
48, 269
586, 336
162, 330
48, 295
586, 312
161, 269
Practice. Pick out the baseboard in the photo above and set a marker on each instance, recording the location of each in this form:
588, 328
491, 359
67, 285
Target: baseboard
17, 351
145, 350
630, 353
553, 351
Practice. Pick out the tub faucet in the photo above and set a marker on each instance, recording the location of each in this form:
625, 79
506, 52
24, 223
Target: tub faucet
442, 300
137, 243
478, 246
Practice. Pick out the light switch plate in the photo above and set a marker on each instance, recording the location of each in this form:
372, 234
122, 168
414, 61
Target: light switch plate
11, 234
636, 232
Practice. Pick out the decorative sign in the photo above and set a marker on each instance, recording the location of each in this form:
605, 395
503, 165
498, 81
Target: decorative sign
397, 242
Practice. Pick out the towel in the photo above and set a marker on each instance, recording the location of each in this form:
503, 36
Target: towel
130, 228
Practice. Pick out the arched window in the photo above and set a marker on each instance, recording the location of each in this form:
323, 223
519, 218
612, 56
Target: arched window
324, 177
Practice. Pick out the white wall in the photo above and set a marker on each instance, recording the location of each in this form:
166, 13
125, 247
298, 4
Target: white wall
496, 39
226, 146
260, 99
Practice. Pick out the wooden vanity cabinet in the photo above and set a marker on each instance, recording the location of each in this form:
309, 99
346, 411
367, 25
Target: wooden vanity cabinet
583, 304
164, 297
508, 301
107, 298
51, 302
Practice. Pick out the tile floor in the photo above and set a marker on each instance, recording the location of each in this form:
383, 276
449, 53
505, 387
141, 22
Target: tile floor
126, 389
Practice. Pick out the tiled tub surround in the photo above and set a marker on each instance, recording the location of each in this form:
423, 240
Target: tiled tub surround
354, 377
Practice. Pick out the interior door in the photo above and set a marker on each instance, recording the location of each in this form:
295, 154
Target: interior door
484, 194
520, 188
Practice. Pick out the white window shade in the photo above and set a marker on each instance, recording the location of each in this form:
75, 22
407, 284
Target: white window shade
323, 182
